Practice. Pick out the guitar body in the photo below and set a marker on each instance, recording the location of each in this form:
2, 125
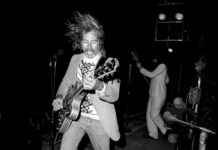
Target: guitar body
71, 107
72, 103
65, 125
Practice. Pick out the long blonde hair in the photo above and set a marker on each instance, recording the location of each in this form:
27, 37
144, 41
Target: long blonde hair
84, 23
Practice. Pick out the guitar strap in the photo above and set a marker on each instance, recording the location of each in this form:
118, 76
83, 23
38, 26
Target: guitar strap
101, 61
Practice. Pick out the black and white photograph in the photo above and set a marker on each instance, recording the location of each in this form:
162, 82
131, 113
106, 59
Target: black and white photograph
104, 75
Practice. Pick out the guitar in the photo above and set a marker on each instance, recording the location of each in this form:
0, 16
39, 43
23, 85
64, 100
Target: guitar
136, 59
194, 94
75, 96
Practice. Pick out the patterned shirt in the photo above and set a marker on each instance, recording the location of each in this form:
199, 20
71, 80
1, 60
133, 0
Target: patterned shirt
86, 69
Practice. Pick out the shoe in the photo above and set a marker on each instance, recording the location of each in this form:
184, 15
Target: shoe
165, 137
172, 138
168, 128
147, 136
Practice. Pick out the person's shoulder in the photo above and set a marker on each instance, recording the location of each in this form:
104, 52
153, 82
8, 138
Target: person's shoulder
162, 65
76, 56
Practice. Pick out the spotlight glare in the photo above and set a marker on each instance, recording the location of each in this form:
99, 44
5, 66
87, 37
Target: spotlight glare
170, 50
162, 16
179, 16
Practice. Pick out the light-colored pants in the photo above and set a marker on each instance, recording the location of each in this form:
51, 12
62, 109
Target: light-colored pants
94, 129
153, 118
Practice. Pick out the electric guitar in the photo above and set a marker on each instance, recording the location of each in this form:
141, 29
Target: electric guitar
75, 95
136, 59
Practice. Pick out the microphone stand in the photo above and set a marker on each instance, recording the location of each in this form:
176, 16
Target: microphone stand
203, 135
52, 65
194, 126
129, 85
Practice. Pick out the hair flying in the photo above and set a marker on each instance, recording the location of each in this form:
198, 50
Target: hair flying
83, 23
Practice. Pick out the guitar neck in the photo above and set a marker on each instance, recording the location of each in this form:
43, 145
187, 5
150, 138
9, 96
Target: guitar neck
77, 89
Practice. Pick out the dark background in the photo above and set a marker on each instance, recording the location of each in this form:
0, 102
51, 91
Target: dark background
33, 32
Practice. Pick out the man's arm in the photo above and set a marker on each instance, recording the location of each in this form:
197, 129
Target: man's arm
152, 74
67, 80
110, 91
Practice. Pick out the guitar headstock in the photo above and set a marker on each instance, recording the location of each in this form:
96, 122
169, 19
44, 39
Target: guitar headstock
199, 66
108, 68
135, 56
